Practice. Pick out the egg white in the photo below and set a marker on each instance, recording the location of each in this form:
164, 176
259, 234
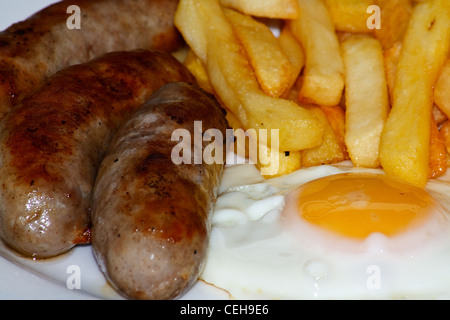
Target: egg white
257, 251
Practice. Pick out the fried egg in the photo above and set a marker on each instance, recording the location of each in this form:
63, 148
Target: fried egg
329, 232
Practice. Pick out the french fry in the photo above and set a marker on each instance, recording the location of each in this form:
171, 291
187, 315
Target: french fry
323, 81
405, 141
438, 152
234, 82
395, 16
186, 18
336, 118
329, 151
270, 162
367, 99
275, 9
270, 63
350, 15
442, 89
287, 162
391, 57
294, 52
445, 135
195, 66
439, 116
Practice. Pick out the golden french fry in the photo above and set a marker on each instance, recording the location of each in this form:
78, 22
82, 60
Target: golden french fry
445, 135
233, 121
195, 66
336, 118
270, 63
323, 81
391, 57
442, 89
439, 116
294, 52
367, 99
287, 162
270, 162
350, 15
186, 18
329, 151
276, 9
395, 16
181, 53
438, 152
405, 141
298, 128
236, 85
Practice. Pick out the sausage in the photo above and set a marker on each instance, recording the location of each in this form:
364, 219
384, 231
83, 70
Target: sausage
150, 216
54, 140
34, 49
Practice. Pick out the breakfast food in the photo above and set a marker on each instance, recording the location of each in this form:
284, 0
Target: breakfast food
208, 33
405, 140
329, 232
355, 72
265, 242
365, 118
55, 138
150, 216
341, 67
37, 47
323, 80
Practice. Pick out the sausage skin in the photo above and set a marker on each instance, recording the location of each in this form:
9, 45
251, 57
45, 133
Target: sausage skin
34, 49
53, 142
151, 216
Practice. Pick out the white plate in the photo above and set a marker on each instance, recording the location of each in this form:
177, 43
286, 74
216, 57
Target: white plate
74, 275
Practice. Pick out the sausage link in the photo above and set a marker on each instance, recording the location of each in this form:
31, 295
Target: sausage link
54, 140
34, 49
151, 216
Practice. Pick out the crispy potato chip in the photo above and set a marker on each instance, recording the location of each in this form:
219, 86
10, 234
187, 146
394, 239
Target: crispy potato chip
405, 141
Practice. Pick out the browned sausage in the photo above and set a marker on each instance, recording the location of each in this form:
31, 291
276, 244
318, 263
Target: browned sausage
53, 142
37, 47
150, 217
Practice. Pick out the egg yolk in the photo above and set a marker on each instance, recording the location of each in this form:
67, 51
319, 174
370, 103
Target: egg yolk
356, 205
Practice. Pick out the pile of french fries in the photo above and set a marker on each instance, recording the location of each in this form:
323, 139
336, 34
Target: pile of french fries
340, 80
